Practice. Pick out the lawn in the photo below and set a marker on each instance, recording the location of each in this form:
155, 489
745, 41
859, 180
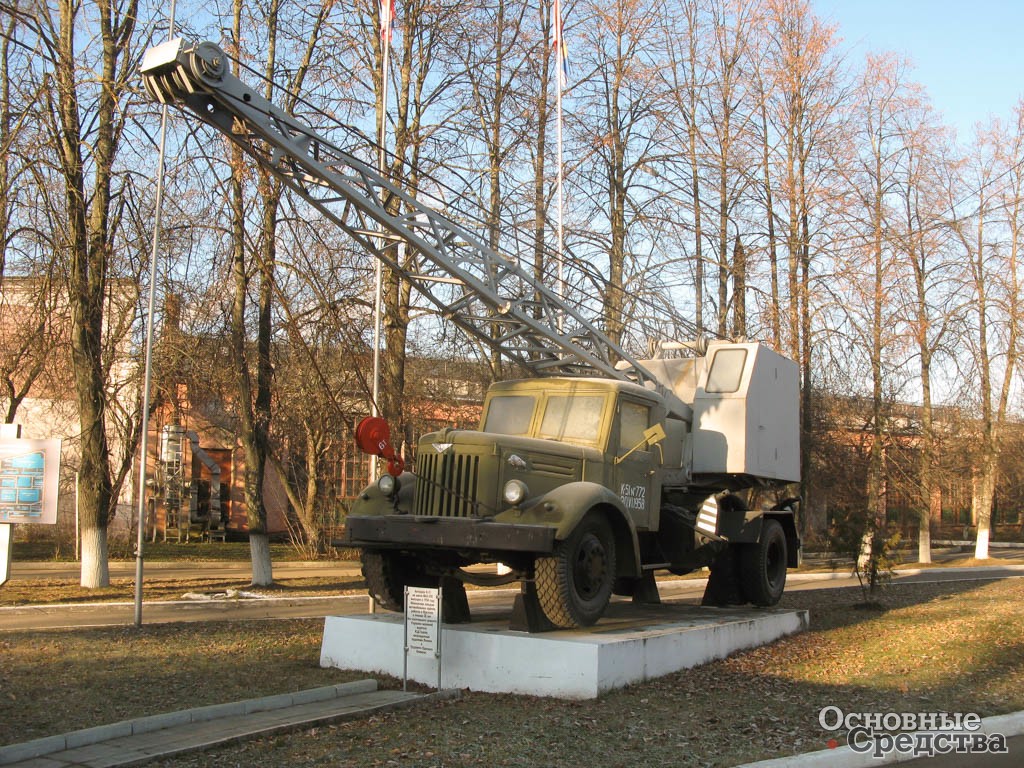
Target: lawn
954, 646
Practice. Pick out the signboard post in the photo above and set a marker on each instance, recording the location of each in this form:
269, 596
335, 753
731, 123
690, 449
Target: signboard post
422, 628
29, 481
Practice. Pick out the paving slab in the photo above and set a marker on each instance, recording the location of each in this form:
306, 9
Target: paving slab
138, 741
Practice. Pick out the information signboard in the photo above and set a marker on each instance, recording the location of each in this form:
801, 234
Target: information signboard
423, 625
29, 480
422, 609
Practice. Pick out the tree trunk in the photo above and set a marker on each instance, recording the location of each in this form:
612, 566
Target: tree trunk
253, 407
981, 501
739, 307
89, 237
259, 553
94, 557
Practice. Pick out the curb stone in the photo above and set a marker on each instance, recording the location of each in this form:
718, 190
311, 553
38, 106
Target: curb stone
14, 753
1008, 725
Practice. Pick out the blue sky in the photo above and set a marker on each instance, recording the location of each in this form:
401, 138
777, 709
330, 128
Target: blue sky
968, 54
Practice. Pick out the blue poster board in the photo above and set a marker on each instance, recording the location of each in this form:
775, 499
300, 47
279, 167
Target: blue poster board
29, 471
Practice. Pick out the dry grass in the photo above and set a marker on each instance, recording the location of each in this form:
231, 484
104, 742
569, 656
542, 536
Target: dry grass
956, 646
63, 680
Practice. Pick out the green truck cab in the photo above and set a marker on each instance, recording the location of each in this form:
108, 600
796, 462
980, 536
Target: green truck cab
584, 487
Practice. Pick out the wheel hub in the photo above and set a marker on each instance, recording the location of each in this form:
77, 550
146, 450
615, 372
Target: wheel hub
590, 568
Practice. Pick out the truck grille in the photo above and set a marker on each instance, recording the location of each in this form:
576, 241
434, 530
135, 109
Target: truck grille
448, 484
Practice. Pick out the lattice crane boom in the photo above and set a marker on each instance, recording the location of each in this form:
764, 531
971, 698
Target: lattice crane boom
485, 293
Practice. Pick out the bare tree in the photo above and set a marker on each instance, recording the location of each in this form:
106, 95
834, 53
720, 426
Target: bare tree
729, 105
800, 90
494, 47
615, 125
686, 81
253, 364
931, 311
83, 110
885, 97
993, 273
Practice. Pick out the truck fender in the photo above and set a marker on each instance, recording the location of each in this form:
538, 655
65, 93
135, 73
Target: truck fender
794, 555
372, 502
574, 500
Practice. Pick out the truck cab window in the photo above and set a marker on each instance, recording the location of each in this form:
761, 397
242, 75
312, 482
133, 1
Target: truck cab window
509, 415
574, 419
634, 418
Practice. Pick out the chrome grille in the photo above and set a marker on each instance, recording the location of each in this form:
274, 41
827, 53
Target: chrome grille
447, 484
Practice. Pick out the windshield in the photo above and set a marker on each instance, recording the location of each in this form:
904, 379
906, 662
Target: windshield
509, 414
573, 419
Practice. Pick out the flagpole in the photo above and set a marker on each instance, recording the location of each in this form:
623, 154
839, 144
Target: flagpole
561, 199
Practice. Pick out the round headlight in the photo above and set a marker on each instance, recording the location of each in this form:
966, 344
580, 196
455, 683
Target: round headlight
515, 491
388, 485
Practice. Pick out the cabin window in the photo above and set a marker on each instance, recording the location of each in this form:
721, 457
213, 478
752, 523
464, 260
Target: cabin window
574, 419
634, 418
726, 371
509, 414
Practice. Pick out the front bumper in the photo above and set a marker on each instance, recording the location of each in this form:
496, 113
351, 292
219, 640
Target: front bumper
446, 533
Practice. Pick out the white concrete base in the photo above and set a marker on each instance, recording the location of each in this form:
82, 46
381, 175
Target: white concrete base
629, 645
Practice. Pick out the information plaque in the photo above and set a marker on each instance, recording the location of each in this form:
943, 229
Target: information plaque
422, 627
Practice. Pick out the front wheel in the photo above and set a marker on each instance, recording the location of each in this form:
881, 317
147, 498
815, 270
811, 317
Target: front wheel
763, 566
574, 585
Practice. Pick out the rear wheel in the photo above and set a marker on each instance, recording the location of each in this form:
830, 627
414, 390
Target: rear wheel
763, 566
387, 575
575, 583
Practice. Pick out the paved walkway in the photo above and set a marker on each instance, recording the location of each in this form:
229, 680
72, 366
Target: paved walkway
132, 742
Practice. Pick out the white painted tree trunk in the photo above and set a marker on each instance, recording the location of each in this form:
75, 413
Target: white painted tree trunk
95, 571
981, 545
865, 550
262, 568
982, 506
924, 542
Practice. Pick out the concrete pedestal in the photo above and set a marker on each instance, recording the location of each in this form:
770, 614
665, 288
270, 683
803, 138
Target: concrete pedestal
629, 645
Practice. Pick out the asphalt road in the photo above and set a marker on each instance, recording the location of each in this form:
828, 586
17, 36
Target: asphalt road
484, 601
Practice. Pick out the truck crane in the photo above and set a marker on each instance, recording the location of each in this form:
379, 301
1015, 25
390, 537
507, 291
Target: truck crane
600, 470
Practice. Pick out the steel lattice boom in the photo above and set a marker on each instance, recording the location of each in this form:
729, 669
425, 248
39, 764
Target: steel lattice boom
488, 295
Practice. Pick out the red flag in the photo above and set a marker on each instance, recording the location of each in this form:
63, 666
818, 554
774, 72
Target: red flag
387, 19
558, 42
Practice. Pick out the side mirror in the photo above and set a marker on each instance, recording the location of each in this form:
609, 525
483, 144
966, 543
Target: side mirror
373, 436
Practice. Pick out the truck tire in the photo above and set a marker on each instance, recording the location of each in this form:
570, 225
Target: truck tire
575, 583
387, 575
763, 566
